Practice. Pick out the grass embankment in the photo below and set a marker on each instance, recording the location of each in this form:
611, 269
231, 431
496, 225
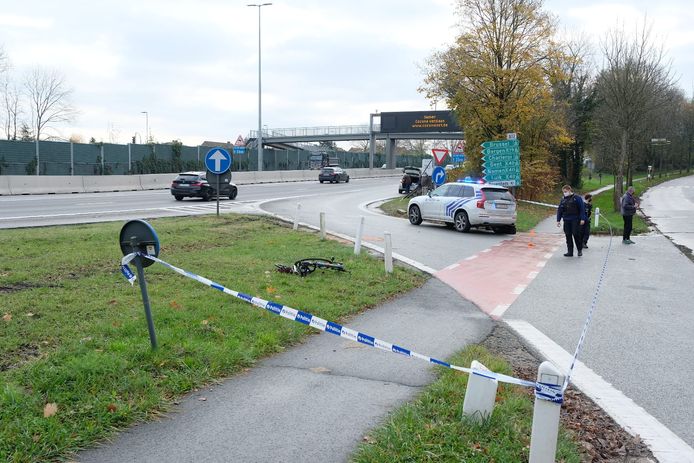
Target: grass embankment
431, 430
529, 215
75, 360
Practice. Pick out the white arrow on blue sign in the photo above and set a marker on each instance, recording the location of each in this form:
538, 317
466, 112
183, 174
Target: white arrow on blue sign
439, 175
218, 160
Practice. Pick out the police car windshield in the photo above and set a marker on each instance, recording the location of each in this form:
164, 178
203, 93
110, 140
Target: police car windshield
493, 194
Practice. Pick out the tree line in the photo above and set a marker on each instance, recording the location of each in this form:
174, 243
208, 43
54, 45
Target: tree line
509, 71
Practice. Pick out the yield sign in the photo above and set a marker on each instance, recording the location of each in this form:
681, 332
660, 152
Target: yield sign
439, 154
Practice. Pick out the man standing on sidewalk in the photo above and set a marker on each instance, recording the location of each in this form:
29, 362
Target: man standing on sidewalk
573, 211
628, 205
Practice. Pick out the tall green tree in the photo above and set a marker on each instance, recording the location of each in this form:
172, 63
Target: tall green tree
497, 77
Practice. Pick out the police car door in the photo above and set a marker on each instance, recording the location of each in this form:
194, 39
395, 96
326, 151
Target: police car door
434, 204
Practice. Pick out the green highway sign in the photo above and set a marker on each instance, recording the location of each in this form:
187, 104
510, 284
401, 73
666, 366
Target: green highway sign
501, 162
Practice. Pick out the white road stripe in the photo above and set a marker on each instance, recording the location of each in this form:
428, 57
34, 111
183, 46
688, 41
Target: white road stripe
499, 310
542, 263
532, 275
519, 289
665, 445
471, 257
452, 266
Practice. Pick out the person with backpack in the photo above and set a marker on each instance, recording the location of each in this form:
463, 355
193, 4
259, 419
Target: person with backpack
572, 210
628, 209
585, 230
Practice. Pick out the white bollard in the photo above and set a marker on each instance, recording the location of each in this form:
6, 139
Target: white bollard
480, 395
322, 225
597, 216
543, 440
296, 217
388, 256
360, 231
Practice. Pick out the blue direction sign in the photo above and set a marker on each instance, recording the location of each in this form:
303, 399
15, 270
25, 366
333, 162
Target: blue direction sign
239, 149
218, 160
458, 158
438, 176
501, 162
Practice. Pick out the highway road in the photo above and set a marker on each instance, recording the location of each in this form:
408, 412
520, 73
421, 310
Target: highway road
640, 340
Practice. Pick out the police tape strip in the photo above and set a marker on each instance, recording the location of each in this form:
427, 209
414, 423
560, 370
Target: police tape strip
551, 393
589, 317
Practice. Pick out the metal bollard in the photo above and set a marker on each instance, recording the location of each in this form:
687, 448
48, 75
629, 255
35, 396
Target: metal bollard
322, 225
597, 216
360, 232
296, 217
388, 256
543, 440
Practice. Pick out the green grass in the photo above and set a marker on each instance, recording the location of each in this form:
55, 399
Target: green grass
73, 331
529, 215
431, 429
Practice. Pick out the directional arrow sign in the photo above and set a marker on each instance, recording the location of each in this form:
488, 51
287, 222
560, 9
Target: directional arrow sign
218, 160
439, 154
439, 175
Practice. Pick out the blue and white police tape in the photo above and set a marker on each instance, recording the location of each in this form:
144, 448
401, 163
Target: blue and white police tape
547, 392
593, 304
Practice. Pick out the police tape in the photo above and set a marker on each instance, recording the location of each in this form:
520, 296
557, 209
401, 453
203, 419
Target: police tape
589, 316
549, 392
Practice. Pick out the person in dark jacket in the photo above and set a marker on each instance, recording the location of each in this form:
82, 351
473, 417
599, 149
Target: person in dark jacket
628, 205
572, 210
585, 230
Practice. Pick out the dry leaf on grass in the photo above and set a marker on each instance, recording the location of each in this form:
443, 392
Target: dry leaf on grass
112, 408
7, 317
50, 409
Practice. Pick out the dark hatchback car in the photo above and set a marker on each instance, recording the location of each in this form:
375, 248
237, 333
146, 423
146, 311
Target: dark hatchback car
333, 174
195, 185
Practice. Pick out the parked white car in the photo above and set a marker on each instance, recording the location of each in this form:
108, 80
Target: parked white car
465, 205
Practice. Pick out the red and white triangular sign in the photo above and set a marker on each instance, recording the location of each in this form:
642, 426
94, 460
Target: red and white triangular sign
439, 154
239, 141
459, 148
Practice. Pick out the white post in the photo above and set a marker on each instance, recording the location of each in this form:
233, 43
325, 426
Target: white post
360, 232
480, 395
389, 253
543, 440
296, 217
597, 216
322, 225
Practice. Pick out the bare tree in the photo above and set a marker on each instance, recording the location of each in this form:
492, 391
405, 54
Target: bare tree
634, 85
11, 108
49, 99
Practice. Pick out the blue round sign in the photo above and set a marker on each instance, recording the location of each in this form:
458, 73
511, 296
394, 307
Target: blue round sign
438, 176
218, 160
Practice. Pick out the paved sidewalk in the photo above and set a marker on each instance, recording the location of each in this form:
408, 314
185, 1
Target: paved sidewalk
315, 402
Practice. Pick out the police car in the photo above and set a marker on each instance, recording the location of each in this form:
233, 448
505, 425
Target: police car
467, 204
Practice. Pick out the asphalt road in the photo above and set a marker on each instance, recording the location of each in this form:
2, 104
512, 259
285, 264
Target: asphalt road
671, 207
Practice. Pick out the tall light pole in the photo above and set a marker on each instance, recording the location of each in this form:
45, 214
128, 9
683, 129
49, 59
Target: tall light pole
146, 126
260, 107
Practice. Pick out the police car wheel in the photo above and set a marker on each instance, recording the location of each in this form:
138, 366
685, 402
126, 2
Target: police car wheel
415, 215
461, 221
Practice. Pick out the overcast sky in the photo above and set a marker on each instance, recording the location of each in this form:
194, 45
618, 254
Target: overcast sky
193, 65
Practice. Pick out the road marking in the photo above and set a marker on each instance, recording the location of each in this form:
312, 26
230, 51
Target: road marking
542, 263
532, 275
485, 250
452, 266
666, 446
519, 289
471, 257
548, 255
499, 311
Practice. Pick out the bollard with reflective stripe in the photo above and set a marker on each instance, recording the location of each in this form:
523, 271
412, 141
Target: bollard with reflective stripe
597, 216
548, 393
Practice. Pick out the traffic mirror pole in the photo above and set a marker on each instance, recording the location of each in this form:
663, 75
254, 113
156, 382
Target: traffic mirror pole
145, 295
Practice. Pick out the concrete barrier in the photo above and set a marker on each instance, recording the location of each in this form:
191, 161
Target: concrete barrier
93, 184
5, 185
243, 178
156, 181
45, 184
267, 176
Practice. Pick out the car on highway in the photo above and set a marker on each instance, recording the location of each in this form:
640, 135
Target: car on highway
332, 174
465, 205
195, 185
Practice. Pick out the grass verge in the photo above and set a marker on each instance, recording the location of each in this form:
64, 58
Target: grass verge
75, 361
431, 430
529, 215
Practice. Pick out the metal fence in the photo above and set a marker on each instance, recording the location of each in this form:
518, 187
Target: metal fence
63, 158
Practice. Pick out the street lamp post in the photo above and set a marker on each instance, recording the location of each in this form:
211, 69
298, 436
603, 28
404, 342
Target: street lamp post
146, 125
260, 107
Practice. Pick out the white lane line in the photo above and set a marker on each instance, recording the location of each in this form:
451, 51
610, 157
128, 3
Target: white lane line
452, 266
485, 250
548, 255
499, 310
519, 289
554, 249
532, 275
471, 257
542, 263
665, 445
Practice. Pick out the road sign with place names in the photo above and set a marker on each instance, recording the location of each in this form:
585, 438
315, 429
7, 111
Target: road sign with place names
218, 160
439, 154
239, 150
501, 162
438, 176
458, 158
